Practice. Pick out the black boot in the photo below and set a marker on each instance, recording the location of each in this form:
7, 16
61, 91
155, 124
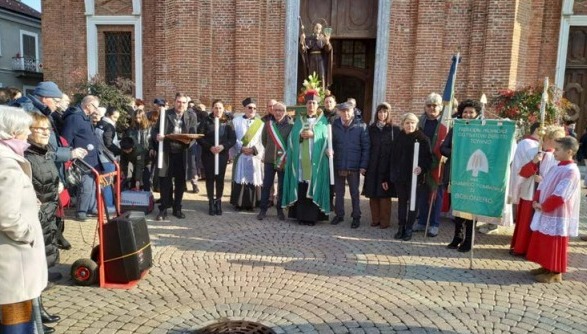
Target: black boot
211, 207
280, 214
458, 237
177, 213
466, 245
62, 243
48, 330
218, 206
47, 318
400, 232
407, 234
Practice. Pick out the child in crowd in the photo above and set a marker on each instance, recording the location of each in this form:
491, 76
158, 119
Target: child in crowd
556, 215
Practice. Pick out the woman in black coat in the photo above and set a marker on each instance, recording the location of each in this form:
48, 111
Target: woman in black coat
227, 139
468, 109
376, 185
402, 170
45, 178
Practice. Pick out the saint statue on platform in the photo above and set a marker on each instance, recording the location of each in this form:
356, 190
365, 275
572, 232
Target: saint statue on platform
316, 53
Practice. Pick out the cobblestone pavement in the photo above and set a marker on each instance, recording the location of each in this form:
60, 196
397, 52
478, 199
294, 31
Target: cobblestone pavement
320, 279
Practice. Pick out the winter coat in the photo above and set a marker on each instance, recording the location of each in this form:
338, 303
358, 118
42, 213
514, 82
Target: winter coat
79, 132
226, 137
23, 266
284, 129
137, 158
140, 136
446, 150
109, 136
350, 145
382, 141
189, 124
402, 158
46, 185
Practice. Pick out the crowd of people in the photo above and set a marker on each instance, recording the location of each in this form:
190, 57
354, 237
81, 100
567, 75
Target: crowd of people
316, 155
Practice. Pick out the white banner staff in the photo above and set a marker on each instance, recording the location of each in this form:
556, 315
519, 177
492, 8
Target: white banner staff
543, 101
330, 156
414, 177
161, 134
216, 143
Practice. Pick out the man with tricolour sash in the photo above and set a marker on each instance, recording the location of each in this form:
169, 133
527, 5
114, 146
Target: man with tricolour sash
274, 137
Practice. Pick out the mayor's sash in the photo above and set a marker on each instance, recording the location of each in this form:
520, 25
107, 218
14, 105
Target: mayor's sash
279, 144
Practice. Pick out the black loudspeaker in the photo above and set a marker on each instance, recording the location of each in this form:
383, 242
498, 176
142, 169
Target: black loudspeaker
127, 251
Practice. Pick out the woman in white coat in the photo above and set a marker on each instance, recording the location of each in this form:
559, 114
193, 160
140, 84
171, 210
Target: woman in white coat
23, 266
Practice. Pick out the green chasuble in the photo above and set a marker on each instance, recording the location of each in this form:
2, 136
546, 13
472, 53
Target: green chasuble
319, 186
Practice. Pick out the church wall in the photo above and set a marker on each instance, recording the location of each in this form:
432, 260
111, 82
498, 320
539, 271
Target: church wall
232, 49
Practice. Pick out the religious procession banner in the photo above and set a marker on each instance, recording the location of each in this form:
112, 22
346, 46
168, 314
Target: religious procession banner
480, 160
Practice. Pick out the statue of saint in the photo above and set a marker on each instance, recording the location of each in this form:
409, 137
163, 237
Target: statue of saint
317, 55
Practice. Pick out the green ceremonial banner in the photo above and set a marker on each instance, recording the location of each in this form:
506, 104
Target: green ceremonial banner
480, 162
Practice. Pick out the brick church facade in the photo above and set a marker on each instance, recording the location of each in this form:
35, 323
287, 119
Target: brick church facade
396, 51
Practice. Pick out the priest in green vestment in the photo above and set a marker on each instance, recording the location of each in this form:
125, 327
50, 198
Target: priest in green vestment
306, 187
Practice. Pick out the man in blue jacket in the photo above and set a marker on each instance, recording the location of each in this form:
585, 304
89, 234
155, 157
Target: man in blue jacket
79, 132
350, 141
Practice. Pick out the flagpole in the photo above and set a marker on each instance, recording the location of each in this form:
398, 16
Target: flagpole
445, 118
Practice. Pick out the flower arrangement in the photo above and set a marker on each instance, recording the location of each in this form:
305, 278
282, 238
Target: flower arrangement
311, 84
523, 106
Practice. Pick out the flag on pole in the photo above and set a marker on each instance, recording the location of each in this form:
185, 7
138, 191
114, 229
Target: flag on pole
443, 125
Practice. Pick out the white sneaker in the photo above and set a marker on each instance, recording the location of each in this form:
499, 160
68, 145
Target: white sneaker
489, 229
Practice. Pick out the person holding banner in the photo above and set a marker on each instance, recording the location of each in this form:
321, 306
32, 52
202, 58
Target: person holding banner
350, 140
463, 235
306, 188
402, 171
377, 188
175, 153
274, 138
247, 177
556, 216
226, 140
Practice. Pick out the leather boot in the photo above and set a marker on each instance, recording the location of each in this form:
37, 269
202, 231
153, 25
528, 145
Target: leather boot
218, 206
280, 214
458, 236
466, 244
48, 330
62, 243
211, 207
407, 234
400, 232
47, 318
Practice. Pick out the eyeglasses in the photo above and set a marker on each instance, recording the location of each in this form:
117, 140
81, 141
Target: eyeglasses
253, 108
40, 129
432, 105
94, 106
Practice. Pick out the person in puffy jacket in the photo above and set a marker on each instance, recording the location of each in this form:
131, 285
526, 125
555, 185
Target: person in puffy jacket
350, 142
46, 183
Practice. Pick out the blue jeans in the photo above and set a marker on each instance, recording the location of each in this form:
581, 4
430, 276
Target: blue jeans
268, 180
86, 195
424, 196
339, 187
109, 190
